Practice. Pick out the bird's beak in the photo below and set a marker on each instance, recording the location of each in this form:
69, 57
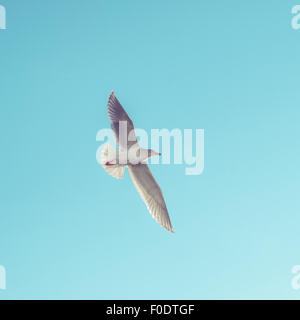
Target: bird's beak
154, 153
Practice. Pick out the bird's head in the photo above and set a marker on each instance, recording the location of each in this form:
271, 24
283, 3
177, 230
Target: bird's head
152, 153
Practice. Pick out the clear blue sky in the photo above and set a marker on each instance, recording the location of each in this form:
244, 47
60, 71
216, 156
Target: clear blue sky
68, 230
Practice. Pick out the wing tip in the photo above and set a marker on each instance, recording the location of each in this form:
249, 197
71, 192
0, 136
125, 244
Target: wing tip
171, 230
167, 227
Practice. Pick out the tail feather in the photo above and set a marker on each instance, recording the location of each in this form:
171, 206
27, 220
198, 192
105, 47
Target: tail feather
109, 163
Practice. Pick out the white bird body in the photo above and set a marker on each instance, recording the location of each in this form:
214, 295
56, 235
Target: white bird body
135, 155
132, 156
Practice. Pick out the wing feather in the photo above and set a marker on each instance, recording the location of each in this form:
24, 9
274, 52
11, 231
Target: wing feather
151, 194
116, 114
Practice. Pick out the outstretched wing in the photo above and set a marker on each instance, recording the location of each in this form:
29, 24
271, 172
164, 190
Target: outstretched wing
151, 193
120, 123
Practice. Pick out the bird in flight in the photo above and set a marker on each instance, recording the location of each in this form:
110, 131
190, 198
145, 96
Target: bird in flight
132, 156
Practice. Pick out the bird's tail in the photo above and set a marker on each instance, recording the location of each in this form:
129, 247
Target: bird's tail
109, 162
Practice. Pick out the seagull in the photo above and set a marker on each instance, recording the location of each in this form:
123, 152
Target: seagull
132, 156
